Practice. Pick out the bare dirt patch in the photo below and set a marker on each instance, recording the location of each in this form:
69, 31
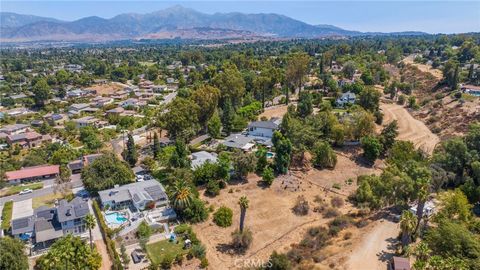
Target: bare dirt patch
424, 68
409, 128
270, 217
107, 88
274, 111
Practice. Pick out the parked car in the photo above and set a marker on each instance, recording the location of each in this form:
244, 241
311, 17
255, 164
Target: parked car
26, 191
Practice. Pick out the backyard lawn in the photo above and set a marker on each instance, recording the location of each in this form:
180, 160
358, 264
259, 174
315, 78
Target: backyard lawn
49, 200
16, 189
158, 250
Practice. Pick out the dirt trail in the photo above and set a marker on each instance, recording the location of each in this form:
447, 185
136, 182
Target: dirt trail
102, 249
375, 248
409, 128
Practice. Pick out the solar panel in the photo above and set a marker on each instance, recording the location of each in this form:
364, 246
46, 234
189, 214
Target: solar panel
20, 223
136, 198
155, 192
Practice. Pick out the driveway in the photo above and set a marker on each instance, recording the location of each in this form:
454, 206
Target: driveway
376, 247
22, 209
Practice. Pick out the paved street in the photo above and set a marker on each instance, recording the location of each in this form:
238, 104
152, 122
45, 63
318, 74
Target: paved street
76, 183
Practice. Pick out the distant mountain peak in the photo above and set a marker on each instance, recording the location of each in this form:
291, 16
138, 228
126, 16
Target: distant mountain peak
174, 22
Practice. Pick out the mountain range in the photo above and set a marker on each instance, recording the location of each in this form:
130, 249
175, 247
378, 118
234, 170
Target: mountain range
173, 22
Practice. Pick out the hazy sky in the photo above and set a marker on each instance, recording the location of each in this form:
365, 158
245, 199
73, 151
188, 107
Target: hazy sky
386, 16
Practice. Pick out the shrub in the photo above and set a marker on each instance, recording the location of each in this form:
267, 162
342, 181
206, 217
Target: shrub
213, 188
198, 251
144, 231
331, 212
324, 156
334, 230
223, 216
7, 215
268, 176
301, 207
279, 262
167, 261
203, 263
347, 235
337, 202
341, 221
242, 240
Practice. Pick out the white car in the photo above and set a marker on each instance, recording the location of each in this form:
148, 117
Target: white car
25, 191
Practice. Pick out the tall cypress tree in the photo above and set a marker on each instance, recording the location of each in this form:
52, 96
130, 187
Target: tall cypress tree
130, 153
156, 145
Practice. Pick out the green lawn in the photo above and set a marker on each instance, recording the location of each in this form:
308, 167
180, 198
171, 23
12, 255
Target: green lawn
16, 189
158, 250
7, 215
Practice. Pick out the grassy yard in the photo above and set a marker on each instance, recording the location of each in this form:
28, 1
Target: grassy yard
158, 250
7, 215
49, 200
16, 189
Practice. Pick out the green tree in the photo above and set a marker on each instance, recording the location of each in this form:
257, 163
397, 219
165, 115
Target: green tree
305, 106
268, 176
372, 148
69, 252
41, 92
196, 211
130, 153
214, 125
297, 67
223, 216
349, 69
454, 206
181, 118
262, 161
156, 148
105, 172
243, 163
144, 231
179, 158
388, 135
369, 99
206, 97
231, 83
324, 156
89, 137
12, 254
283, 152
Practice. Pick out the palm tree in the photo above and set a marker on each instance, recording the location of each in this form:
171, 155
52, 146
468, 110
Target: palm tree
243, 202
90, 222
408, 221
182, 194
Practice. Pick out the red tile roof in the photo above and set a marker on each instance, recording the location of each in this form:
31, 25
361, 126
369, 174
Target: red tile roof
33, 172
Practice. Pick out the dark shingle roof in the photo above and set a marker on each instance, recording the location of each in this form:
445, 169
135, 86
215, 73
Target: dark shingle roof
77, 208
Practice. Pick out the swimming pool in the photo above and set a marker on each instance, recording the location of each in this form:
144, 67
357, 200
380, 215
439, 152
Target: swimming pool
115, 218
270, 155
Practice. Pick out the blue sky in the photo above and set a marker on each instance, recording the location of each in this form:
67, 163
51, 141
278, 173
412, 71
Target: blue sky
385, 16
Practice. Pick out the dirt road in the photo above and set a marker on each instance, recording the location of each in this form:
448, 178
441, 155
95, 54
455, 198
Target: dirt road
409, 128
375, 248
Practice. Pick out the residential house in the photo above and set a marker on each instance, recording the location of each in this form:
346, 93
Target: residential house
346, 98
200, 158
119, 95
73, 68
239, 141
76, 166
264, 128
19, 96
89, 121
31, 174
55, 119
139, 195
47, 224
77, 108
17, 112
115, 111
471, 89
29, 139
14, 129
100, 102
399, 263
159, 88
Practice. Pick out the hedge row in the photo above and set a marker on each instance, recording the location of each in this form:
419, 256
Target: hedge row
7, 215
107, 233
